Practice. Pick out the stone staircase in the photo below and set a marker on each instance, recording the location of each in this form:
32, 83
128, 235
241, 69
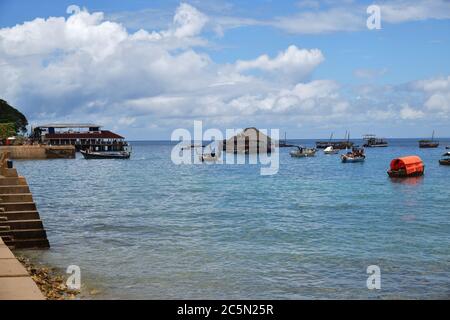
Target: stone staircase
20, 223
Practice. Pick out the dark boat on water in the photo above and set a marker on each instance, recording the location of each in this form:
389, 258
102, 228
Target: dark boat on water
410, 166
371, 141
340, 145
429, 143
445, 161
87, 154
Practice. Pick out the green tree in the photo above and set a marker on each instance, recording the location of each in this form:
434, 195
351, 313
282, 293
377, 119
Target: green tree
9, 114
7, 130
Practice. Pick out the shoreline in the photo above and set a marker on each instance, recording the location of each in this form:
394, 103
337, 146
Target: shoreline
50, 280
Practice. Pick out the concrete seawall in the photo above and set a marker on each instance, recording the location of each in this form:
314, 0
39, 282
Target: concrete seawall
36, 152
20, 223
15, 282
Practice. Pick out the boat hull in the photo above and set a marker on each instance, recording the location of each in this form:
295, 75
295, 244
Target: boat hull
99, 155
402, 174
444, 162
346, 159
375, 145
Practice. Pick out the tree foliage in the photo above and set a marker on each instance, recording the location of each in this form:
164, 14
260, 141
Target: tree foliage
9, 114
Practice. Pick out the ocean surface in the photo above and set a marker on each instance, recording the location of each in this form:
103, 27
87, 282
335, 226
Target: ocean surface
146, 228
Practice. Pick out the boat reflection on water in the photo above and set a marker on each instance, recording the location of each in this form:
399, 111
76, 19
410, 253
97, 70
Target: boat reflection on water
408, 181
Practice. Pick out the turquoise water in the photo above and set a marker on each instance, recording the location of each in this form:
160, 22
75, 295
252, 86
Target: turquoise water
146, 228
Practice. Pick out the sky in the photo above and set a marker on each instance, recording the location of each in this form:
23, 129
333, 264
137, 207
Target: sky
307, 68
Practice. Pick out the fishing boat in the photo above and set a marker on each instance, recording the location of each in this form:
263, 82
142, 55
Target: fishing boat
429, 143
445, 161
303, 152
410, 166
330, 150
371, 141
345, 144
356, 155
87, 154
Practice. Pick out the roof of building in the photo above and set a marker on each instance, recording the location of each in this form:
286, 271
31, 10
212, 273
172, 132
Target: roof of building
104, 134
69, 125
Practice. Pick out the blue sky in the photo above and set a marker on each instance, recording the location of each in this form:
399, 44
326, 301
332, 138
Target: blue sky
305, 67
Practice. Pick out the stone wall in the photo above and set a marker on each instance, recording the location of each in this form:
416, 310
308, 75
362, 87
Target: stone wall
36, 152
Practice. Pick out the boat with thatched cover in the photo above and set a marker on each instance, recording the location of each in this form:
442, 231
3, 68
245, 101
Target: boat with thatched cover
410, 166
249, 141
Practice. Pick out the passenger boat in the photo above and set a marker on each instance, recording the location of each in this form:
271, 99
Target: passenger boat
87, 154
330, 150
356, 155
303, 152
445, 161
429, 143
371, 141
410, 166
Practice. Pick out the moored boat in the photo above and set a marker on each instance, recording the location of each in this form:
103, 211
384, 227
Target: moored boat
303, 152
356, 155
87, 154
429, 143
445, 161
330, 150
410, 166
371, 141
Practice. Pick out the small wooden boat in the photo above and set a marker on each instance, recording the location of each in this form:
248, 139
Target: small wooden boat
87, 154
356, 155
371, 141
445, 161
410, 166
429, 143
330, 150
303, 152
209, 157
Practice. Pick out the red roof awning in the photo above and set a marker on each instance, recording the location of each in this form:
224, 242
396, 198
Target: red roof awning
104, 134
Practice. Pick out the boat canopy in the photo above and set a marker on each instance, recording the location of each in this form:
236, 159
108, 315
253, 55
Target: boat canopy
410, 164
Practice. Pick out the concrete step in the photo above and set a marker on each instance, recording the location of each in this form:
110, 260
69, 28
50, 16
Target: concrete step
25, 234
28, 243
20, 215
16, 197
12, 181
21, 224
18, 206
6, 189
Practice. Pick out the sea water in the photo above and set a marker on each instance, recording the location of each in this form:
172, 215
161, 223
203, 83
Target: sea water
147, 228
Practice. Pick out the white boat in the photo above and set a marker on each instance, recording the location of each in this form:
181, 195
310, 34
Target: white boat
303, 152
330, 150
210, 157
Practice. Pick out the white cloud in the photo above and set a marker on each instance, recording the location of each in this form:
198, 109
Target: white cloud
86, 68
408, 113
293, 62
404, 11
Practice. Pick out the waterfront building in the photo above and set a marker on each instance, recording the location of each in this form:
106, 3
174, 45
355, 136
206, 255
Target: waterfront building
82, 136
